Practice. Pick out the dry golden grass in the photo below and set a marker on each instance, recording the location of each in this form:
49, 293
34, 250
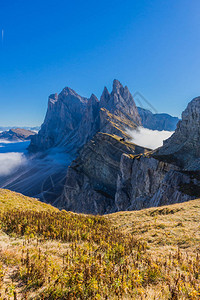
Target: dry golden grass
148, 254
10, 200
163, 228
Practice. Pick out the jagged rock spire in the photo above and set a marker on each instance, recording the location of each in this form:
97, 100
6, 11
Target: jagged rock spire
120, 102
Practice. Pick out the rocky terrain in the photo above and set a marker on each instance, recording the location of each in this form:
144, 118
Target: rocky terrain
154, 178
168, 175
17, 134
72, 120
157, 121
91, 179
183, 145
82, 158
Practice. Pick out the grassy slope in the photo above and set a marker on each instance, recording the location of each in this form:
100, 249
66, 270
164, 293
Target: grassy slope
9, 200
48, 254
163, 228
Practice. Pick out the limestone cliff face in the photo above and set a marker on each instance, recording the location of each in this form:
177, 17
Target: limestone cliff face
70, 123
108, 173
72, 120
91, 179
145, 182
87, 128
120, 103
64, 114
184, 145
170, 174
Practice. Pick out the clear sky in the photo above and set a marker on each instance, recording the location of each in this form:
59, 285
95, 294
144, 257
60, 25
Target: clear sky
151, 46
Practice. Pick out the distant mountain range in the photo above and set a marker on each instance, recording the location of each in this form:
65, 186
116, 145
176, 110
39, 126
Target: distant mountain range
83, 159
17, 134
157, 121
35, 128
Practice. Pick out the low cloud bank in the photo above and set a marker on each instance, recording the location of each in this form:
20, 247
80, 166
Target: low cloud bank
2, 141
149, 138
10, 162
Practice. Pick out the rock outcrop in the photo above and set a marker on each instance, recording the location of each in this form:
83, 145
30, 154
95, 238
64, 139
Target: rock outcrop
64, 114
167, 175
154, 178
91, 178
96, 169
17, 134
120, 103
157, 121
72, 120
183, 147
145, 182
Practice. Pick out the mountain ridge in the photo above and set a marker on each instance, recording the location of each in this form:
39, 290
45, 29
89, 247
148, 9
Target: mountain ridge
17, 134
158, 121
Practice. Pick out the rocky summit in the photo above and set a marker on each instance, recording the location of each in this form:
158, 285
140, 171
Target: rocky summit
64, 114
72, 120
83, 159
107, 176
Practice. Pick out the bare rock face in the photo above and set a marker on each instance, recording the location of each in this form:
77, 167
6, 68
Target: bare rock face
72, 120
145, 182
184, 145
120, 103
64, 114
70, 123
91, 179
170, 174
88, 127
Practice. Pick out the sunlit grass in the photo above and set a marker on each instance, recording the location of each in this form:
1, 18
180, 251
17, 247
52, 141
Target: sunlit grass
51, 254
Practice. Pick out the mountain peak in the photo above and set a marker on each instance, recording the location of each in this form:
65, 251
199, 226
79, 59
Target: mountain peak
105, 97
93, 99
117, 86
53, 98
120, 102
68, 90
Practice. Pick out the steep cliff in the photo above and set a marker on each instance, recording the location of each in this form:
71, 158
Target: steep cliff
90, 184
72, 120
167, 175
120, 103
184, 145
64, 114
145, 182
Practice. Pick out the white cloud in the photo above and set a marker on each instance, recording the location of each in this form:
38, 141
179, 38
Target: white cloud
149, 138
10, 162
10, 142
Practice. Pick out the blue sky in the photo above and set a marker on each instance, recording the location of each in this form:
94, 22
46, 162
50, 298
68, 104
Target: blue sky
151, 46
